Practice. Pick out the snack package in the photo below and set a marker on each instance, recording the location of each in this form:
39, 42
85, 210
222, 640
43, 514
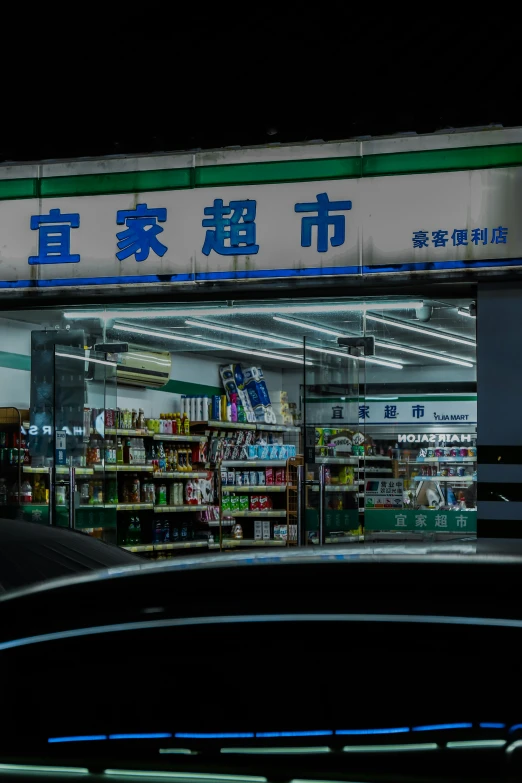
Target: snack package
262, 452
226, 502
346, 475
243, 503
253, 478
246, 478
239, 479
283, 452
234, 503
224, 478
269, 476
274, 452
254, 502
252, 452
265, 503
231, 478
258, 529
266, 529
281, 532
280, 476
261, 478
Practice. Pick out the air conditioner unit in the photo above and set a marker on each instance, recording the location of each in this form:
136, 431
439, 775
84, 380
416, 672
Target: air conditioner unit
141, 367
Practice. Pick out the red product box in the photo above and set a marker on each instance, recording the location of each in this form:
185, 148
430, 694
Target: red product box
254, 503
265, 503
269, 473
280, 476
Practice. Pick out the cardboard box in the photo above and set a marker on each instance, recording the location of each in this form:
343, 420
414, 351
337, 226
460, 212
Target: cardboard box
266, 529
258, 529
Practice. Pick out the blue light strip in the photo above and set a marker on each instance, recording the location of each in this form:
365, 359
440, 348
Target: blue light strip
265, 274
443, 726
357, 732
492, 725
81, 738
516, 727
272, 734
213, 735
159, 735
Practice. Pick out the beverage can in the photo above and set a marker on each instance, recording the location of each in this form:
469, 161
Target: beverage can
463, 452
461, 471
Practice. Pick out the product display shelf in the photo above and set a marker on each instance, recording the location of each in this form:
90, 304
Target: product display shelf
374, 470
231, 543
180, 438
180, 474
344, 539
29, 469
436, 460
336, 488
373, 458
120, 506
281, 514
177, 509
254, 463
337, 460
237, 425
128, 433
139, 548
261, 488
123, 468
454, 479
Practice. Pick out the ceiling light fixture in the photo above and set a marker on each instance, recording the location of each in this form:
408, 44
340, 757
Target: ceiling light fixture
306, 325
205, 343
346, 355
452, 338
428, 354
244, 333
238, 309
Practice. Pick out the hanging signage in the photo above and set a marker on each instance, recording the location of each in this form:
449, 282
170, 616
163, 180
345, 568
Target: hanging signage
436, 409
425, 222
384, 493
435, 437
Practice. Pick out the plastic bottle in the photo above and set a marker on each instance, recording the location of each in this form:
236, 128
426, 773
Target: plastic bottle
233, 407
189, 493
157, 534
205, 415
3, 493
119, 452
183, 405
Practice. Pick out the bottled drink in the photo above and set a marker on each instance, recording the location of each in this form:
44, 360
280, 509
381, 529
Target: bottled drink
119, 452
3, 493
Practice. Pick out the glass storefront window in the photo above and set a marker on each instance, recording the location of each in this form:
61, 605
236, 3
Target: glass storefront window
265, 423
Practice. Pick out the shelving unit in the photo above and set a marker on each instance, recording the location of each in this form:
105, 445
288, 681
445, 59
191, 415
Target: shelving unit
178, 509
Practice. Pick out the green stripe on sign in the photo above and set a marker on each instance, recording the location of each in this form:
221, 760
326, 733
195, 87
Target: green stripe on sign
442, 160
191, 389
125, 182
278, 171
15, 361
18, 188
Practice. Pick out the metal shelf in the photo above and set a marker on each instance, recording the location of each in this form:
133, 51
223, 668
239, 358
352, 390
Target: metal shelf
166, 547
254, 463
135, 433
429, 460
337, 488
375, 459
180, 474
131, 506
260, 488
337, 460
239, 542
268, 513
28, 469
375, 470
181, 438
343, 539
177, 509
237, 425
123, 468
453, 479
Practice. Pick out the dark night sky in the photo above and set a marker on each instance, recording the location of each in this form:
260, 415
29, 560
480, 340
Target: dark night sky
162, 83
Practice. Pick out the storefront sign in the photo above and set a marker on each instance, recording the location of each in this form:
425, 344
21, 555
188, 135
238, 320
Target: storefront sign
421, 521
435, 437
384, 493
435, 409
423, 222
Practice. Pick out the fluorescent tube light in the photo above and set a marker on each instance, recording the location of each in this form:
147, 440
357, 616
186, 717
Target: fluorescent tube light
346, 355
238, 309
85, 359
417, 352
244, 333
306, 325
465, 311
205, 343
453, 338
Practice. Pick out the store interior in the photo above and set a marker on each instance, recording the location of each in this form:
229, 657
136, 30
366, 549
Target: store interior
223, 424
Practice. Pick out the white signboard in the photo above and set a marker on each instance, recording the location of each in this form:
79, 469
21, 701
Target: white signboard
423, 222
432, 410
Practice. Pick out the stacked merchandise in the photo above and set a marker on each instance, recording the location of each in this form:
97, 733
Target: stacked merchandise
249, 445
247, 395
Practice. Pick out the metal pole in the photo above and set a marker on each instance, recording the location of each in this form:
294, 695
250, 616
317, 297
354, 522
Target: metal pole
321, 505
300, 469
72, 486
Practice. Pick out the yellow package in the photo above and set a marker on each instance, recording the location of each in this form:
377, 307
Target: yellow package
346, 475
